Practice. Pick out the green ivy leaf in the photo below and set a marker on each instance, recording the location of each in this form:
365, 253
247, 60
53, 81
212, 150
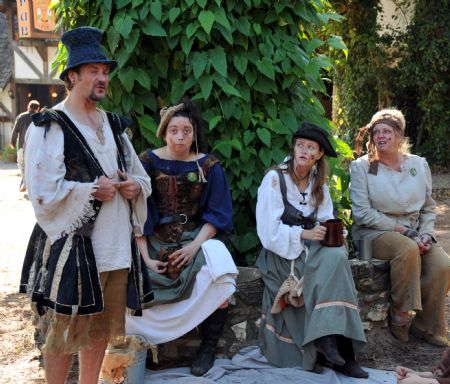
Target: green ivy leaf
143, 78
130, 43
191, 29
266, 157
136, 3
202, 3
173, 14
186, 44
200, 59
126, 77
264, 135
218, 60
265, 66
214, 121
153, 28
248, 137
271, 109
127, 103
113, 38
287, 116
227, 88
121, 3
206, 19
177, 91
240, 62
205, 86
155, 9
243, 25
123, 25
224, 147
221, 17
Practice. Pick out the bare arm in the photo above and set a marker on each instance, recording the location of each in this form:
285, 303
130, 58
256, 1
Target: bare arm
155, 265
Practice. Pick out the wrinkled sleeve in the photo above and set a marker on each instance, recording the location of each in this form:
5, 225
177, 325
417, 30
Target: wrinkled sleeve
362, 210
137, 171
282, 239
60, 206
427, 212
215, 202
325, 211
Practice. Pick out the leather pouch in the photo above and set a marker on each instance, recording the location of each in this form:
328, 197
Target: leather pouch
165, 255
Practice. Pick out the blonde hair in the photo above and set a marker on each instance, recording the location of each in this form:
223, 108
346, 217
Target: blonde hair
390, 116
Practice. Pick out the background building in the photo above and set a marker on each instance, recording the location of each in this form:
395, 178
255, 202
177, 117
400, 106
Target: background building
28, 46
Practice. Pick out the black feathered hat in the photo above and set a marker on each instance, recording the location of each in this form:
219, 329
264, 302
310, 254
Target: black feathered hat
313, 132
83, 47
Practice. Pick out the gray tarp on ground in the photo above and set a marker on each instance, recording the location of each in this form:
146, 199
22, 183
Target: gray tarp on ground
250, 367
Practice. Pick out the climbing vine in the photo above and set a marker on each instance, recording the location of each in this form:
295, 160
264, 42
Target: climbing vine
253, 66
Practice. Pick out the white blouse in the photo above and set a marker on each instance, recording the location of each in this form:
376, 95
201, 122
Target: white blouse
283, 239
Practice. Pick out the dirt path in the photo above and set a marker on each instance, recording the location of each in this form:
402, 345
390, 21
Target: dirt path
20, 360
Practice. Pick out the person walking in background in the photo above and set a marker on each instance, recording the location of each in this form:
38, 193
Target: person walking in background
393, 210
18, 138
88, 190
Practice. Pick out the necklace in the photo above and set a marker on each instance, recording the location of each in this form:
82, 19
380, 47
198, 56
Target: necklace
98, 128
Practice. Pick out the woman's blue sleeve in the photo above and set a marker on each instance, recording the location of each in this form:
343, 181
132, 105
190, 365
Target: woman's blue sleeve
152, 211
215, 202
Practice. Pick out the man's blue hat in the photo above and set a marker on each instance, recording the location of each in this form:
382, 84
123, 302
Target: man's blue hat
83, 47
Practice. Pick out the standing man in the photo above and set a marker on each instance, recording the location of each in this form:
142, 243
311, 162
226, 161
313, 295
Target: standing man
19, 130
88, 190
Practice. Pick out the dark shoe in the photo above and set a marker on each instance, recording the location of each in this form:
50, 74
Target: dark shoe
204, 361
211, 329
437, 341
351, 368
327, 346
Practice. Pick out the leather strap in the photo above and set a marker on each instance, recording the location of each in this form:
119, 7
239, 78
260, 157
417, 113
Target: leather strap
177, 218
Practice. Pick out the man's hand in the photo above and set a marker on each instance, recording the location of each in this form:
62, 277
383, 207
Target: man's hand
106, 189
317, 233
12, 146
128, 187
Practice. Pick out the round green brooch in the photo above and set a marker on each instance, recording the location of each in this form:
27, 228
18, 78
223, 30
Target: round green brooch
192, 176
413, 171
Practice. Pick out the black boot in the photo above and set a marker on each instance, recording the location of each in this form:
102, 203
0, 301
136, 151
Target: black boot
327, 346
211, 329
351, 367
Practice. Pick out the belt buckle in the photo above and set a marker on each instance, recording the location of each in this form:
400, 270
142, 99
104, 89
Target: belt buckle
184, 217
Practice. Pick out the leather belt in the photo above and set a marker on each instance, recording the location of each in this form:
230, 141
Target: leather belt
176, 218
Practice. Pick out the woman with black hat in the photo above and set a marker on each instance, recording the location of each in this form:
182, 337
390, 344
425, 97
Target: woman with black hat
310, 309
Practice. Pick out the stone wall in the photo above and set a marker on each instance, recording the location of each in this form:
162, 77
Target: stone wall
371, 281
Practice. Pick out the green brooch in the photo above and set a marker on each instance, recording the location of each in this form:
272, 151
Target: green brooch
413, 171
192, 176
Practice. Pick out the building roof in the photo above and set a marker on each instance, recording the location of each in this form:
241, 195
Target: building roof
5, 52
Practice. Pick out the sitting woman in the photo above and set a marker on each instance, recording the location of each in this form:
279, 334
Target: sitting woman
393, 209
190, 204
440, 374
323, 322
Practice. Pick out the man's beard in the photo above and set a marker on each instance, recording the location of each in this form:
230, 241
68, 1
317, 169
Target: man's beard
95, 97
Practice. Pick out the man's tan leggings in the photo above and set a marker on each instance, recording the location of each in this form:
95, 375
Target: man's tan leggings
418, 282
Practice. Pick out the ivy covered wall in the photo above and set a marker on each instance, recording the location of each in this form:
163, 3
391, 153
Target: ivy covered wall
253, 66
